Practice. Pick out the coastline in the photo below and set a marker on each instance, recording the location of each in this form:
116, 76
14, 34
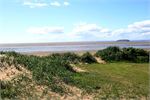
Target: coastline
44, 49
146, 43
46, 53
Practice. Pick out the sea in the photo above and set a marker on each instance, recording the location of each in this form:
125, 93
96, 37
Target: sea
71, 46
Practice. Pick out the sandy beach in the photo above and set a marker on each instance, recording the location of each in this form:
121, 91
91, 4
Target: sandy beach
49, 53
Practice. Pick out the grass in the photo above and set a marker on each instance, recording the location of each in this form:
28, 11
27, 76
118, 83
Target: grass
17, 88
115, 80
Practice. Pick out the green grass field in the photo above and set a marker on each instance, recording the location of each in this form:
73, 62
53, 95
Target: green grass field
115, 80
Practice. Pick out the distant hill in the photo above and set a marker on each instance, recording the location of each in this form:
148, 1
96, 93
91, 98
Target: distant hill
123, 40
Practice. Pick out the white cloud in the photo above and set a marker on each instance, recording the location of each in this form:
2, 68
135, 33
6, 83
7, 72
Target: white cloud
34, 4
58, 4
89, 28
45, 30
145, 23
44, 3
66, 3
137, 30
94, 32
55, 3
90, 31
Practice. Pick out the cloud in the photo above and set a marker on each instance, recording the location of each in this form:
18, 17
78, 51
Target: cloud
55, 3
90, 31
45, 30
44, 3
94, 32
141, 24
137, 30
35, 4
66, 3
88, 28
58, 4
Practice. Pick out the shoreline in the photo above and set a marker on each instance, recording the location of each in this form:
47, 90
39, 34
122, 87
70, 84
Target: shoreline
46, 53
75, 47
145, 43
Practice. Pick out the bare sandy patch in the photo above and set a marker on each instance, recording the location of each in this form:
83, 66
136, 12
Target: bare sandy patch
77, 69
74, 93
8, 70
99, 60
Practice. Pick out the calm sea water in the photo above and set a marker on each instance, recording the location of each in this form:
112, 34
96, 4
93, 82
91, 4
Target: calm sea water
59, 48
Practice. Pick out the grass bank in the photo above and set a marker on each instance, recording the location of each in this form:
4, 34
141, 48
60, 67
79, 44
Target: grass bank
116, 80
54, 73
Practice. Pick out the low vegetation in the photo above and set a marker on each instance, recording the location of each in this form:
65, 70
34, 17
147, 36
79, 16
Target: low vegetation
88, 58
112, 80
18, 87
116, 81
125, 54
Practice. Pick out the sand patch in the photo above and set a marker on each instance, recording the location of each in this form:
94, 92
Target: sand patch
99, 60
9, 70
73, 93
77, 69
8, 73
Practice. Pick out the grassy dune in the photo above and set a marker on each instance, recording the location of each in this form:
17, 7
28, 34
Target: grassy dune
74, 77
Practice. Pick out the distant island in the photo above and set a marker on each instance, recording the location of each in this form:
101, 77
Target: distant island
123, 40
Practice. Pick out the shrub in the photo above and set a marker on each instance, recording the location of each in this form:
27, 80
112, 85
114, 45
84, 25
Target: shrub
125, 54
110, 54
66, 57
58, 89
135, 55
16, 88
1, 52
88, 58
71, 57
7, 90
142, 59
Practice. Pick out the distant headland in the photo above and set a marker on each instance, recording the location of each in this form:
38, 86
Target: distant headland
123, 40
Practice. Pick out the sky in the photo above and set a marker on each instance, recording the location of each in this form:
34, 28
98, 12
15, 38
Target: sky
32, 21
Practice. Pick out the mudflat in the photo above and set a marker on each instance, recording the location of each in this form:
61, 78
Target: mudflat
146, 43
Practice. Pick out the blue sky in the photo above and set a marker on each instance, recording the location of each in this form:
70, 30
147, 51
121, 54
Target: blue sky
73, 20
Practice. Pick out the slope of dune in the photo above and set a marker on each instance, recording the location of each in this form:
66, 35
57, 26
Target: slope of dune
17, 82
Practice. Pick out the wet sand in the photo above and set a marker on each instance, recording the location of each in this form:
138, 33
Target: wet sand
145, 43
49, 53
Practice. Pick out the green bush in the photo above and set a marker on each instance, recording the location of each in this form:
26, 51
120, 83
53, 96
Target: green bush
66, 57
16, 88
71, 57
7, 90
135, 55
110, 54
125, 54
1, 52
58, 89
141, 59
88, 58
